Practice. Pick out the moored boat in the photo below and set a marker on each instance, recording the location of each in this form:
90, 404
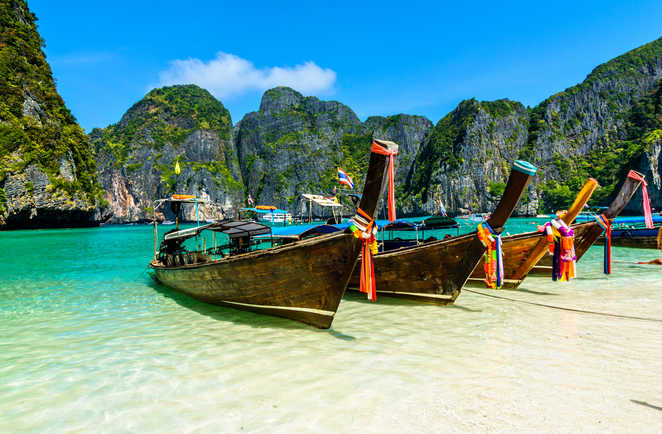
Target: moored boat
588, 232
631, 232
523, 251
436, 271
303, 280
269, 214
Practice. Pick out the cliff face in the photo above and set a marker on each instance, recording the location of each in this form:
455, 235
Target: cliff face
599, 127
603, 127
408, 132
294, 144
47, 173
137, 156
466, 159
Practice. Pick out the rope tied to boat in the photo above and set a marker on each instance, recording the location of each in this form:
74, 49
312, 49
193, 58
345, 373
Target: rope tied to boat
561, 245
364, 228
605, 224
646, 205
493, 255
378, 149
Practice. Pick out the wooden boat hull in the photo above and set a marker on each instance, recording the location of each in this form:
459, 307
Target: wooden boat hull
523, 251
270, 282
585, 236
433, 272
526, 253
517, 250
303, 281
640, 238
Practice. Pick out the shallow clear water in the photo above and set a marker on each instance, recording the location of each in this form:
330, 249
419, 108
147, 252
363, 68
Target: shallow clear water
89, 343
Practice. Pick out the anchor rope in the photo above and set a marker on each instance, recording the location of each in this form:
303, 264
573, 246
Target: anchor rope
569, 309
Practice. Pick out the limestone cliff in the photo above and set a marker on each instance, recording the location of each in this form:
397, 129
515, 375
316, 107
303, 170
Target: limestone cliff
466, 159
47, 172
598, 128
177, 124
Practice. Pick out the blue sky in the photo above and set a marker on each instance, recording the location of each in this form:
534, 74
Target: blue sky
379, 58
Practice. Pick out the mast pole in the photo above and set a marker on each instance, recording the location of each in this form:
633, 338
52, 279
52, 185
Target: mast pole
155, 234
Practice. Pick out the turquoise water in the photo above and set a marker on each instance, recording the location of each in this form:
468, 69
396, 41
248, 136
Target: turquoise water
89, 343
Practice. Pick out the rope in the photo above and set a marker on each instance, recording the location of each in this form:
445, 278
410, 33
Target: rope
493, 255
646, 205
569, 309
363, 227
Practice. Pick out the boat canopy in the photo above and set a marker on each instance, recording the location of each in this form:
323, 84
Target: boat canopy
439, 222
232, 228
319, 230
321, 200
180, 198
259, 210
400, 225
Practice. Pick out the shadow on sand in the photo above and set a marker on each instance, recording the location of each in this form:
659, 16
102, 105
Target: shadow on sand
645, 404
530, 291
237, 316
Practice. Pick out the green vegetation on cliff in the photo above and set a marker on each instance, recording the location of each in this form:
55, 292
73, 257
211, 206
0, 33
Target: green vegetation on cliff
610, 163
167, 115
35, 125
442, 145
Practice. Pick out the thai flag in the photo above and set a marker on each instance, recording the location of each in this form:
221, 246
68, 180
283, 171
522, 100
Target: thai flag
250, 200
344, 178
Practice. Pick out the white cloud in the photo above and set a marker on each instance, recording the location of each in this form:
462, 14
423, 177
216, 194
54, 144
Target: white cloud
228, 75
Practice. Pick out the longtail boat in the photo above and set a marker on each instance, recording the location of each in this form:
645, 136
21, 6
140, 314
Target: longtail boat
587, 233
523, 251
435, 271
631, 232
302, 281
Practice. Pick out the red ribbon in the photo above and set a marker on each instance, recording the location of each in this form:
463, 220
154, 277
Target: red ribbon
605, 223
377, 149
644, 191
367, 266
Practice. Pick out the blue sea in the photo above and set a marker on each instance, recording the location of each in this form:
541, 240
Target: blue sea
89, 343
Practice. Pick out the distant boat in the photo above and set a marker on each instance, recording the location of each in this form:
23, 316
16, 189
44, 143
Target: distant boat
269, 214
631, 232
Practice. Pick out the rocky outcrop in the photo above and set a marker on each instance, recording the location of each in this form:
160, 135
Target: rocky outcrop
650, 165
600, 128
466, 159
597, 128
408, 131
47, 172
178, 125
294, 144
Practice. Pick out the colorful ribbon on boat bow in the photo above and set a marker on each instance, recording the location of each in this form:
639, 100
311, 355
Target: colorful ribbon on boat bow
605, 224
377, 149
364, 228
561, 245
644, 192
493, 256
